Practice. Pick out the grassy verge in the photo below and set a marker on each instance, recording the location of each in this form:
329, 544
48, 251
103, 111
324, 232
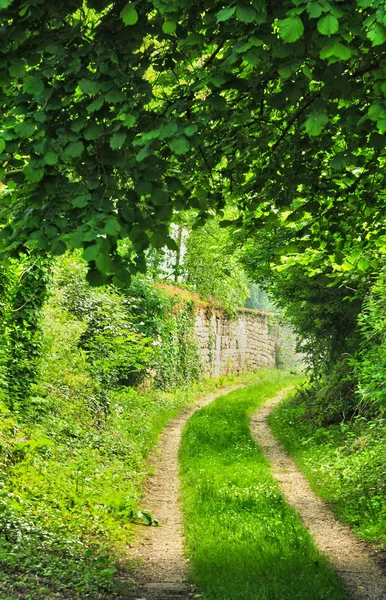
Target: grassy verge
345, 463
243, 540
71, 487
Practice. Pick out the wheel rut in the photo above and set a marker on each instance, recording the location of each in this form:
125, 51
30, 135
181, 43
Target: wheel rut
161, 567
350, 557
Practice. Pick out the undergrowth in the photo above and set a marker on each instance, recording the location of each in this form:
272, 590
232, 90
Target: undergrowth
71, 490
345, 462
73, 449
244, 542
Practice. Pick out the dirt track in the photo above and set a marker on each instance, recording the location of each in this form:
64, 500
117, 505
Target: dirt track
162, 570
349, 556
158, 551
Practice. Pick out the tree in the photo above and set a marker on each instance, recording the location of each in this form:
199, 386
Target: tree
212, 267
117, 115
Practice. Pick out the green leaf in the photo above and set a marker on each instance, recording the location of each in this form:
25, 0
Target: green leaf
307, 72
377, 34
316, 122
290, 30
286, 71
51, 158
89, 86
5, 3
246, 13
339, 161
168, 131
75, 239
17, 68
179, 145
2, 145
337, 50
114, 96
169, 27
158, 240
314, 9
381, 125
129, 121
112, 226
328, 25
225, 14
128, 14
252, 56
25, 129
91, 252
117, 140
93, 131
58, 248
78, 124
190, 130
104, 263
95, 278
363, 265
34, 175
171, 244
159, 197
33, 85
75, 149
143, 187
376, 112
193, 39
81, 201
40, 116
96, 104
143, 153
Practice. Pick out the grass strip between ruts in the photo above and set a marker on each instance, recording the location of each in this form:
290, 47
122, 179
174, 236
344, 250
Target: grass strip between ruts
243, 541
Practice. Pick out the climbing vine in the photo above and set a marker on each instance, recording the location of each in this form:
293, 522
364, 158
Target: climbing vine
24, 292
178, 360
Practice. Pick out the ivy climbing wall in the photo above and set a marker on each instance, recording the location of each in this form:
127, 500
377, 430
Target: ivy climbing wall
249, 340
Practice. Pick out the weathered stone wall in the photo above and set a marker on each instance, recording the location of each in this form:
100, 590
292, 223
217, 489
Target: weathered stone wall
251, 340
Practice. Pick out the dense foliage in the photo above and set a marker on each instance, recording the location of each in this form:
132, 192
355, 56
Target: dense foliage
116, 115
212, 268
115, 119
75, 438
369, 360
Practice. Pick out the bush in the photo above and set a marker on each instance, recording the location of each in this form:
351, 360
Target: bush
369, 362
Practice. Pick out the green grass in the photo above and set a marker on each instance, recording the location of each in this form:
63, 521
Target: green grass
243, 541
345, 463
71, 486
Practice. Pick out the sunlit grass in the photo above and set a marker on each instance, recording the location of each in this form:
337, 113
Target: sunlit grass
344, 462
70, 490
244, 542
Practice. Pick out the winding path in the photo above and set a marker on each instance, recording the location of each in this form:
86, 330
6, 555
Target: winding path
349, 556
161, 572
162, 567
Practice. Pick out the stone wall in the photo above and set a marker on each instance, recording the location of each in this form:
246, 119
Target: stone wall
251, 340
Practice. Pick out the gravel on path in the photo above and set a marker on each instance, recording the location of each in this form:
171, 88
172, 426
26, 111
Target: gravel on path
158, 551
350, 557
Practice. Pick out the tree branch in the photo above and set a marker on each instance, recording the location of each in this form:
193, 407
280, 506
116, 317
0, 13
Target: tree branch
293, 119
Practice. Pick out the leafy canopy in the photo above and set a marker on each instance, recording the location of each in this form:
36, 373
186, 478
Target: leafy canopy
117, 115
